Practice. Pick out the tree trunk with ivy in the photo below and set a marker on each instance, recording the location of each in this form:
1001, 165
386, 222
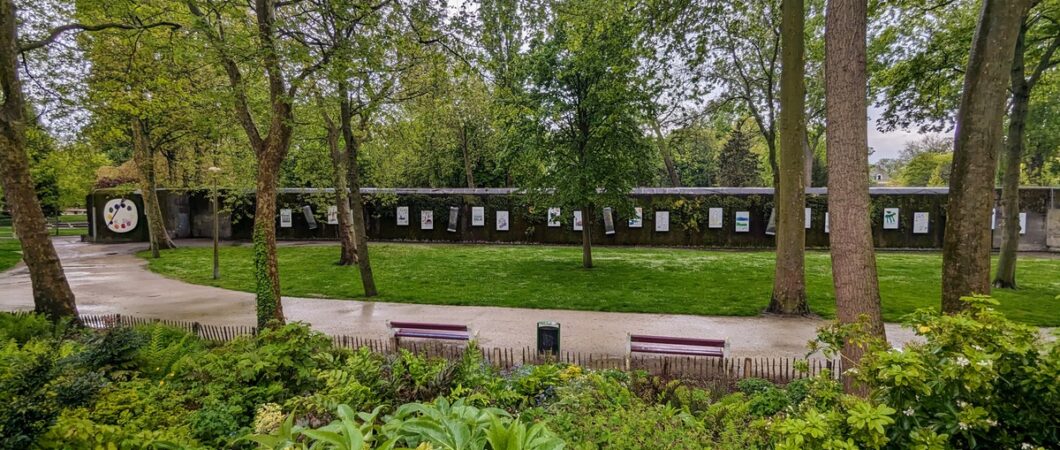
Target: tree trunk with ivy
966, 242
857, 290
51, 292
144, 158
266, 266
587, 237
789, 282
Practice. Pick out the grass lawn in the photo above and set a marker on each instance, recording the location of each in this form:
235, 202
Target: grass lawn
625, 279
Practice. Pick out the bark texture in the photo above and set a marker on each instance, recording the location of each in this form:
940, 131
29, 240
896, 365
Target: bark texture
144, 158
51, 292
353, 145
789, 282
340, 164
857, 291
966, 245
469, 165
587, 237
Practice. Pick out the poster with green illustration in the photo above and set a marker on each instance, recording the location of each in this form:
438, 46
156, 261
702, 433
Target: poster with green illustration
890, 218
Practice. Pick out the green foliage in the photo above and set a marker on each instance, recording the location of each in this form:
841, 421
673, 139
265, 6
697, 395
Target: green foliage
741, 165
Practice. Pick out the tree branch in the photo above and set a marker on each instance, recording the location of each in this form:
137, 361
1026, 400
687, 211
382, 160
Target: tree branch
58, 31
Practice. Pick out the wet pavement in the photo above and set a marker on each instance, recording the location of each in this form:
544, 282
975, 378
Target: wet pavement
109, 279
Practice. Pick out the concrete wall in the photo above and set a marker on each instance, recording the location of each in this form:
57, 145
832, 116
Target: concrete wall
188, 214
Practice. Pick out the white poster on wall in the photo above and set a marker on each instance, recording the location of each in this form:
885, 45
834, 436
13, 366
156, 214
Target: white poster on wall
285, 218
426, 220
333, 215
553, 217
637, 220
403, 216
478, 216
743, 221
454, 215
826, 229
662, 221
502, 220
1023, 223
920, 222
809, 217
993, 219
714, 217
577, 220
890, 218
120, 214
609, 222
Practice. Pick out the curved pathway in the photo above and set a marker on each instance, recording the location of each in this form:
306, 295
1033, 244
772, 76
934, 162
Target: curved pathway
109, 279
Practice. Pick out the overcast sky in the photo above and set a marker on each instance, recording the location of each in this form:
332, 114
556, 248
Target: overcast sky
890, 144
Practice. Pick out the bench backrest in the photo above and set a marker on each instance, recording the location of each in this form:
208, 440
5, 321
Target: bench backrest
428, 326
677, 341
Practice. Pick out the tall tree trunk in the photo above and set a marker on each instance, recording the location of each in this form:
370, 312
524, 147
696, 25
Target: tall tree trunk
51, 292
771, 147
667, 156
266, 266
966, 245
340, 171
360, 232
789, 282
144, 158
587, 237
857, 291
469, 166
807, 155
1005, 277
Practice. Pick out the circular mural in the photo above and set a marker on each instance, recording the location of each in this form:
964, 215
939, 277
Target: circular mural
120, 215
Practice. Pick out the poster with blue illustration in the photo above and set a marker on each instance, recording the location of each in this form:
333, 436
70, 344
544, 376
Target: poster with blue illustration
743, 221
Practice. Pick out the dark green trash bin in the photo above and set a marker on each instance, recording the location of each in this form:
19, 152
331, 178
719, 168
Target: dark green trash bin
548, 337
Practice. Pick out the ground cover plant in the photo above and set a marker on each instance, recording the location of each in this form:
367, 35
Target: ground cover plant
650, 280
978, 380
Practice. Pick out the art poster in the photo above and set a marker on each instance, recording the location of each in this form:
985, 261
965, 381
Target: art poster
333, 215
920, 222
743, 221
120, 215
577, 220
826, 230
715, 217
662, 221
311, 221
809, 217
1023, 223
478, 216
609, 222
502, 220
285, 218
403, 216
890, 218
637, 221
426, 220
454, 214
771, 224
553, 217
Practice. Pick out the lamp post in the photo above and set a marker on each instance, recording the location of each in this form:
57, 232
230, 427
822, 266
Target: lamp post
215, 172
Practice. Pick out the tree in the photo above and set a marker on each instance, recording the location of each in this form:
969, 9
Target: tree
741, 166
1045, 16
857, 290
582, 146
789, 281
966, 245
51, 292
221, 26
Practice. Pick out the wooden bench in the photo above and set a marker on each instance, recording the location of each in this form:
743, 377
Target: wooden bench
665, 345
442, 331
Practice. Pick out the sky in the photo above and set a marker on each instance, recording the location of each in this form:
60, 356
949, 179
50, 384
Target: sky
889, 144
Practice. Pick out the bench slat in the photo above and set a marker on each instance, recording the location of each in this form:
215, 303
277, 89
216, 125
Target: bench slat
432, 335
673, 350
429, 326
677, 341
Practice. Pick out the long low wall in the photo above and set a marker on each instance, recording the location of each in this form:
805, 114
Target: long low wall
902, 218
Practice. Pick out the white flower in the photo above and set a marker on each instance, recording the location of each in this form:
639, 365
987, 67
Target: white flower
963, 426
962, 361
983, 363
908, 411
962, 404
991, 422
1026, 446
977, 347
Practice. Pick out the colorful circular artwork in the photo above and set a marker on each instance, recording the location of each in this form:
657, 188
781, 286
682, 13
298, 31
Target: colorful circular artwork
120, 215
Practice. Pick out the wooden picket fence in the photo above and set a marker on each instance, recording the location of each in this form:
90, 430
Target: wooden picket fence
719, 371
